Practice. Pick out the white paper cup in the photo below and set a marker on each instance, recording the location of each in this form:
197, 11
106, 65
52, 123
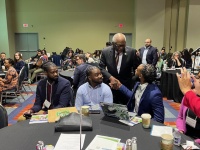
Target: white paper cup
3, 68
146, 120
85, 110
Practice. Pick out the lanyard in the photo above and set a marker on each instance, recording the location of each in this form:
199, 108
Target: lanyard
46, 91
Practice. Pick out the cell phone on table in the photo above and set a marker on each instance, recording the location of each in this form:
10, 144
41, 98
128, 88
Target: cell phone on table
27, 116
94, 111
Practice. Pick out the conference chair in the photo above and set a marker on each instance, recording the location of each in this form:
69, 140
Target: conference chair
17, 90
3, 117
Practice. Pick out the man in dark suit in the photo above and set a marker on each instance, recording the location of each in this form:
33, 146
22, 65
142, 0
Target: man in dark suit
52, 92
120, 62
145, 96
148, 53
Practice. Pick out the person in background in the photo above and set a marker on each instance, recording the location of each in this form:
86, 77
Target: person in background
52, 92
36, 57
44, 54
89, 58
119, 60
80, 71
108, 44
37, 68
148, 53
175, 60
187, 57
68, 61
18, 62
145, 96
2, 58
93, 91
159, 65
11, 79
163, 54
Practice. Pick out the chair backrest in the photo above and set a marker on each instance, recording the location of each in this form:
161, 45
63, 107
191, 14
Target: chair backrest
22, 75
3, 117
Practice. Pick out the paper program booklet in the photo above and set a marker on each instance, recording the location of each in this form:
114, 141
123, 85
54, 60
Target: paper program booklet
133, 121
39, 119
103, 142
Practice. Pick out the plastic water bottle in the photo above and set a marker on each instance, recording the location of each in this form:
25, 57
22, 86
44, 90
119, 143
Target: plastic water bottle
134, 143
177, 137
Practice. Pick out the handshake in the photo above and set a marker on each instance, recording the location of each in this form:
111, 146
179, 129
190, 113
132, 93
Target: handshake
114, 83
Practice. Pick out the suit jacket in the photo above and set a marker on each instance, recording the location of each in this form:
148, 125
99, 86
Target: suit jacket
152, 56
80, 75
151, 101
128, 65
61, 94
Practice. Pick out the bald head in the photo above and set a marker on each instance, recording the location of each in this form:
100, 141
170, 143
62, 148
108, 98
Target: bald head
148, 42
119, 37
119, 42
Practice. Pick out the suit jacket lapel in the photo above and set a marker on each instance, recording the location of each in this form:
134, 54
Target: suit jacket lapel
124, 57
112, 57
54, 89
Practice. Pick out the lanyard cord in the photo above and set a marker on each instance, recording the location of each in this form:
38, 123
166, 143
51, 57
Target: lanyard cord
50, 93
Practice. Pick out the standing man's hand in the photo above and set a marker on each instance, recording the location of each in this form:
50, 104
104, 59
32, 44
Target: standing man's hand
184, 80
113, 82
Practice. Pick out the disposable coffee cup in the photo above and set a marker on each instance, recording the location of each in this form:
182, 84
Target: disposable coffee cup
146, 120
3, 68
85, 110
166, 142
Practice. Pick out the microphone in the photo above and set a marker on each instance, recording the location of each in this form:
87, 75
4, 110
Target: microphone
80, 126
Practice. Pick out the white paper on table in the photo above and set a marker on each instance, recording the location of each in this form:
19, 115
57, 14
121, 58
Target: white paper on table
189, 144
103, 143
69, 142
159, 130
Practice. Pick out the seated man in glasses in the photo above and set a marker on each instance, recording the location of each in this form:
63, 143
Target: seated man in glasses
145, 96
94, 91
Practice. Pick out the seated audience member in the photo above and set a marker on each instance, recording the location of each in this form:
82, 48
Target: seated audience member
80, 71
163, 54
159, 66
175, 60
94, 91
44, 54
185, 126
187, 57
36, 57
11, 79
146, 96
54, 90
18, 62
38, 68
191, 97
89, 58
68, 61
2, 58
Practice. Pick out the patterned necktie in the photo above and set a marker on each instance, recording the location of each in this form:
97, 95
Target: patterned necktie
117, 58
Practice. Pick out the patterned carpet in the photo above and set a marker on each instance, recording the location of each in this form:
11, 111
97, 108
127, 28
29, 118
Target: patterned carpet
16, 109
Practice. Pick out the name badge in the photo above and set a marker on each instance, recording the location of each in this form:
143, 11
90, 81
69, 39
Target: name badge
191, 122
47, 104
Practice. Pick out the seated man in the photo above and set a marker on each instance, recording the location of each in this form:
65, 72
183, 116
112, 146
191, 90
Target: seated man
2, 58
94, 91
145, 97
52, 92
37, 68
11, 79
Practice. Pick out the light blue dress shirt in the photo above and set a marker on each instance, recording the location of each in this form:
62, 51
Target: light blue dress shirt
87, 95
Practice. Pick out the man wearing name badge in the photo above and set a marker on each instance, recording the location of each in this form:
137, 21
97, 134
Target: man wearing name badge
94, 91
120, 62
52, 92
148, 53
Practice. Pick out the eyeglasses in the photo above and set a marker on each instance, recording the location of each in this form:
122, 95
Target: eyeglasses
120, 45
